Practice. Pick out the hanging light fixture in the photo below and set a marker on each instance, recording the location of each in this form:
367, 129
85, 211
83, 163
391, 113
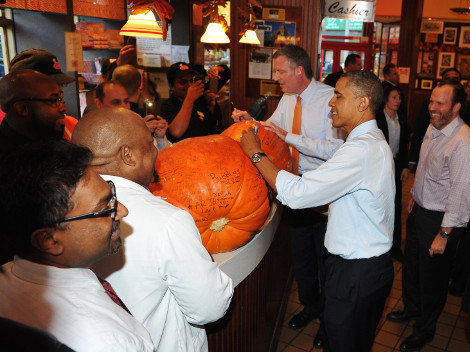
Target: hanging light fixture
249, 37
462, 10
142, 25
248, 34
215, 31
215, 34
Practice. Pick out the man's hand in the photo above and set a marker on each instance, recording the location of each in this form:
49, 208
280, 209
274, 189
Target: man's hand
214, 71
411, 204
126, 54
195, 91
239, 115
274, 128
250, 143
156, 124
210, 99
405, 174
438, 246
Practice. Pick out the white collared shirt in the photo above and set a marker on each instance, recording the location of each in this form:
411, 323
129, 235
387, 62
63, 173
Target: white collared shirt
72, 305
163, 273
358, 183
318, 140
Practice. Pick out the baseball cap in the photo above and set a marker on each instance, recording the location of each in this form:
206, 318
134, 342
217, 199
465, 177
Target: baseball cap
177, 70
41, 61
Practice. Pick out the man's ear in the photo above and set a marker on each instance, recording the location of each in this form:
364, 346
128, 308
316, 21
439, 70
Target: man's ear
43, 240
456, 107
98, 103
127, 155
364, 103
299, 72
22, 108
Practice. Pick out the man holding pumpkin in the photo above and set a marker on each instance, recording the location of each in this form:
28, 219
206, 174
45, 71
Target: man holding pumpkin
316, 141
358, 184
165, 275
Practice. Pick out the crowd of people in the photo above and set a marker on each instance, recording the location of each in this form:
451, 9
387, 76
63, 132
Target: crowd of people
92, 261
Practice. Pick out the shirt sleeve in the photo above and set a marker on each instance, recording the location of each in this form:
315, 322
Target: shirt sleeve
317, 148
333, 179
202, 290
457, 211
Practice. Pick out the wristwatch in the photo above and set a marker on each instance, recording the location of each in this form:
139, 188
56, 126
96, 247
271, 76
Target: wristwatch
444, 234
256, 158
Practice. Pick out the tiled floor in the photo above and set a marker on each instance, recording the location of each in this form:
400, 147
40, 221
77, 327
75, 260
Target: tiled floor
453, 333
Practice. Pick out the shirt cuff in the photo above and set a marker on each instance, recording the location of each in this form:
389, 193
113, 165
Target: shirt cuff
283, 179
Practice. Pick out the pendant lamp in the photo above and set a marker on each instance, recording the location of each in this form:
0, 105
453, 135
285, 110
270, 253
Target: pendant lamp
215, 34
142, 25
249, 37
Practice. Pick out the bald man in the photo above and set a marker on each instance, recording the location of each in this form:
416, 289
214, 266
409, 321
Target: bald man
34, 109
165, 275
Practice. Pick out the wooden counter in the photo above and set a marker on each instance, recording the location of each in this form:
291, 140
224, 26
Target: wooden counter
260, 271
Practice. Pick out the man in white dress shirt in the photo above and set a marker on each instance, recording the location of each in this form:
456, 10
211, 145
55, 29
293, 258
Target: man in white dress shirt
358, 184
60, 216
165, 275
316, 142
439, 212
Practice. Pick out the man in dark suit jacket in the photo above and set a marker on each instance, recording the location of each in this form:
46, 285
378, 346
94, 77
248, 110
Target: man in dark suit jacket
352, 62
390, 72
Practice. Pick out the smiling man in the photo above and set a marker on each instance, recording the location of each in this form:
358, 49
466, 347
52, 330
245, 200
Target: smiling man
60, 216
358, 184
313, 142
439, 212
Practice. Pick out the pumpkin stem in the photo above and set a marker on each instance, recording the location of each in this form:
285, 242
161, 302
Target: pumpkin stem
218, 225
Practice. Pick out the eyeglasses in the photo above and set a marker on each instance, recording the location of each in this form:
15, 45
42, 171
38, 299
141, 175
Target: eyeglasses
111, 209
55, 102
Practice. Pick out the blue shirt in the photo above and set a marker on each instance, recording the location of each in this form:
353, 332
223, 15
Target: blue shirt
358, 183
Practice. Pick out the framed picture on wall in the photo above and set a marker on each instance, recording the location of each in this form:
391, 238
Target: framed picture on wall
426, 84
445, 61
464, 40
427, 63
463, 65
450, 36
430, 26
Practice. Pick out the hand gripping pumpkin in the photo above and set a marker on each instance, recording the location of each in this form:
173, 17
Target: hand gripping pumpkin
212, 179
277, 150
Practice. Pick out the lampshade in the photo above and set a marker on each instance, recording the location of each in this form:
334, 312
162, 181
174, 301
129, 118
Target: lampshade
142, 25
215, 34
250, 37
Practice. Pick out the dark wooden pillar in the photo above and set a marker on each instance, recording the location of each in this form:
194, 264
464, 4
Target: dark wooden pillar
411, 13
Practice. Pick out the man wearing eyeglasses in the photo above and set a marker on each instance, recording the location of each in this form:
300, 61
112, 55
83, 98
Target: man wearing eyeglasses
163, 273
34, 108
60, 216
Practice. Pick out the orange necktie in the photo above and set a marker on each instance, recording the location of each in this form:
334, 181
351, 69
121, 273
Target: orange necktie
296, 130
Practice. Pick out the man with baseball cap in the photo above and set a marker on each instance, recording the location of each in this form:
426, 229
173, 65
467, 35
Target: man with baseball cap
47, 63
190, 111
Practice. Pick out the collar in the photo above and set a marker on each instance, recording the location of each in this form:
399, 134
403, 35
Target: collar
312, 90
48, 275
124, 182
362, 129
449, 129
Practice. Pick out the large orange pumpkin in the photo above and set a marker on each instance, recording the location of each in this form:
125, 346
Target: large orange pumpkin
275, 148
212, 179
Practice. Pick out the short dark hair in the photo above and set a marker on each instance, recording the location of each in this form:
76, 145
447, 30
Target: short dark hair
351, 59
388, 90
388, 68
365, 83
298, 56
452, 69
100, 88
458, 91
36, 182
130, 78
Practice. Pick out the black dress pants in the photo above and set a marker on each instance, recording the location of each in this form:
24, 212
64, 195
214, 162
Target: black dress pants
355, 293
426, 278
307, 235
